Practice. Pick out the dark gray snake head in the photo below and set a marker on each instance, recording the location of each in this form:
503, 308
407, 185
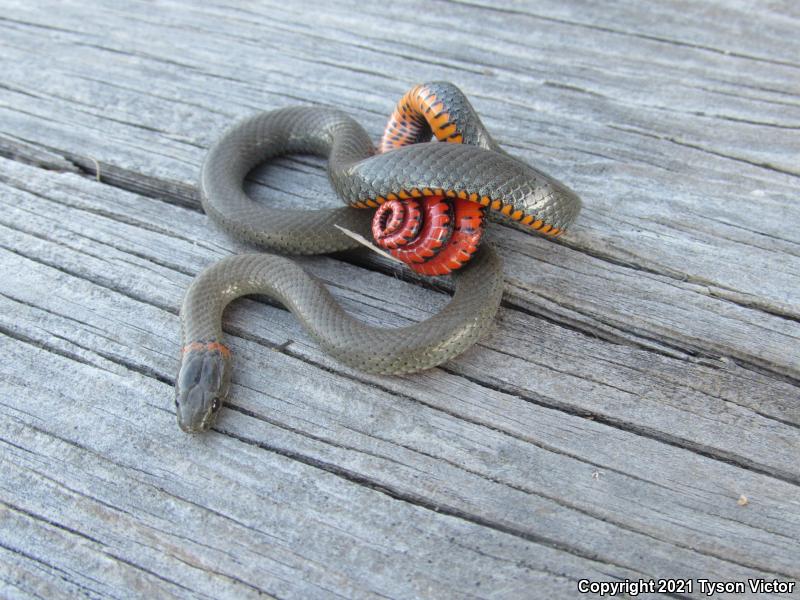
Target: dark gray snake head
202, 385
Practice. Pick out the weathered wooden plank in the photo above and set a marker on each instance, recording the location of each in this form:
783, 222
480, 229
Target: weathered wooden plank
123, 414
665, 206
643, 374
515, 460
160, 514
183, 241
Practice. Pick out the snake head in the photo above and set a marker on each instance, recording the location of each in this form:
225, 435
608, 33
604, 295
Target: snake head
202, 385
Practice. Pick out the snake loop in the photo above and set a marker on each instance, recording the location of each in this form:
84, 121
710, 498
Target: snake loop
432, 197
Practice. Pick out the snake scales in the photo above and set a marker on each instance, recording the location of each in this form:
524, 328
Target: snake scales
435, 193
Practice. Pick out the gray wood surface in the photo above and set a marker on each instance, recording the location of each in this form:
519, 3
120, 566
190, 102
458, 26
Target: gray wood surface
642, 381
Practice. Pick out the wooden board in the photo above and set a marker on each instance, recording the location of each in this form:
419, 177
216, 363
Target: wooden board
642, 379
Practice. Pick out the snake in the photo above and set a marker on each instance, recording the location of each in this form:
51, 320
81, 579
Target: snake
430, 196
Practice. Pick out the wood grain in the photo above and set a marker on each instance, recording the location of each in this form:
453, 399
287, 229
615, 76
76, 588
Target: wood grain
643, 375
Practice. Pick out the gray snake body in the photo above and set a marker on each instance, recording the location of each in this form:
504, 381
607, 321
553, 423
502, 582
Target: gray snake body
473, 169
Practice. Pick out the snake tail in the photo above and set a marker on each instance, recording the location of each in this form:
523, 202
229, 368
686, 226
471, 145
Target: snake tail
433, 235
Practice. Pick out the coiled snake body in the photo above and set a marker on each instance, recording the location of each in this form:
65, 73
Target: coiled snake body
423, 188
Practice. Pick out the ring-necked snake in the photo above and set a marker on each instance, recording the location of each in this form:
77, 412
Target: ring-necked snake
430, 198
